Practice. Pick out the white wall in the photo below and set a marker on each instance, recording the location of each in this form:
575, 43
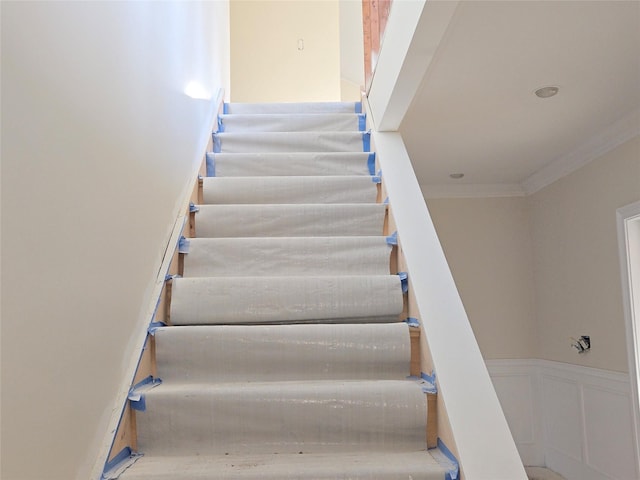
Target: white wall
98, 146
577, 268
488, 247
351, 50
266, 64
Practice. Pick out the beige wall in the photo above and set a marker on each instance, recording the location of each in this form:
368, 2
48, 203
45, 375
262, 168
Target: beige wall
266, 64
534, 271
99, 143
577, 271
488, 248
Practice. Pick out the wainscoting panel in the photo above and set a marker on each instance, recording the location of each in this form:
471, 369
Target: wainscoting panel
574, 420
517, 385
562, 416
599, 429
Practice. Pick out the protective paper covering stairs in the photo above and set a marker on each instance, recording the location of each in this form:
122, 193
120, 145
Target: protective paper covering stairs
286, 358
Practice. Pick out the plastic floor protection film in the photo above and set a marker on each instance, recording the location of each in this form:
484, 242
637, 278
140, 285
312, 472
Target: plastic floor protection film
235, 300
308, 220
287, 256
290, 164
200, 354
289, 190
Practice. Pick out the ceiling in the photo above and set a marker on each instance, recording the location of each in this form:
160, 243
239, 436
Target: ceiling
476, 112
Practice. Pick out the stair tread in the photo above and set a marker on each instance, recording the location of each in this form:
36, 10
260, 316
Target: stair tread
245, 387
379, 465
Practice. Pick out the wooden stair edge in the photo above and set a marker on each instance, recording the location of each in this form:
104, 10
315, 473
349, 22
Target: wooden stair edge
126, 432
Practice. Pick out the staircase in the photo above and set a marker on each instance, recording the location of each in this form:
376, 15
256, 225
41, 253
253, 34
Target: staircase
286, 356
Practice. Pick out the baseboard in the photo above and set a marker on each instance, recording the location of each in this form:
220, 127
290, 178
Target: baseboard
574, 420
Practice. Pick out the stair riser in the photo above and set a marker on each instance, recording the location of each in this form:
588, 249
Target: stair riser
213, 257
288, 164
289, 190
291, 122
226, 221
255, 300
291, 142
291, 418
283, 353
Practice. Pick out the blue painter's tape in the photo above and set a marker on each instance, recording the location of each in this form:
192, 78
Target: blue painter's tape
425, 376
149, 381
136, 395
413, 322
168, 277
429, 383
225, 108
183, 245
358, 107
217, 143
404, 281
376, 179
211, 164
386, 201
428, 389
392, 239
124, 455
154, 326
371, 163
366, 142
193, 208
139, 403
362, 122
454, 472
114, 467
220, 125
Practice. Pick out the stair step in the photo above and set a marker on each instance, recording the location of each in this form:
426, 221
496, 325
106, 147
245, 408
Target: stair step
291, 142
289, 190
411, 465
268, 353
302, 107
287, 256
292, 122
255, 300
302, 220
283, 417
289, 164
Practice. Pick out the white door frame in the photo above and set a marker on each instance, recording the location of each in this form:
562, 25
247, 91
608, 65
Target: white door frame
625, 215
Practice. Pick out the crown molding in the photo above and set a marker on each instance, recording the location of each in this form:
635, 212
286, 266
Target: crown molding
607, 139
472, 190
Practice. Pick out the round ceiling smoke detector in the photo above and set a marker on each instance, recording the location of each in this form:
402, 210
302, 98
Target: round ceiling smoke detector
546, 92
456, 176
